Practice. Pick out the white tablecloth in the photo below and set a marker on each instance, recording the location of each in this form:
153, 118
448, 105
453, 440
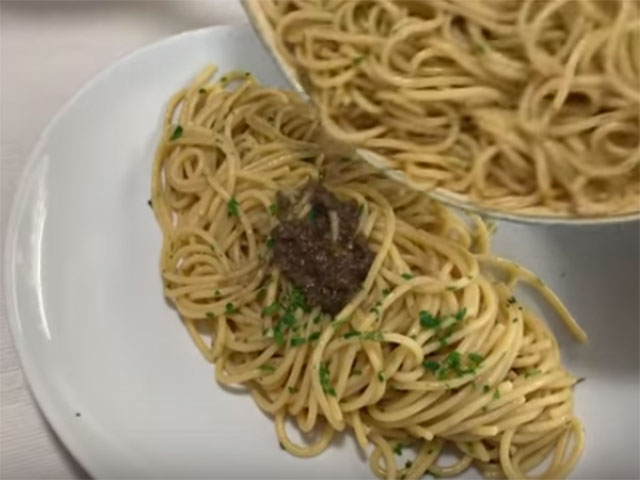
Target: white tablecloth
48, 50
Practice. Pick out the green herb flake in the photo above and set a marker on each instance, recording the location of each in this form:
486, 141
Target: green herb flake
407, 276
317, 319
475, 358
292, 390
359, 59
431, 365
429, 321
297, 341
271, 309
531, 373
202, 90
314, 336
262, 293
267, 368
511, 300
408, 464
210, 315
398, 449
325, 380
313, 215
298, 301
351, 334
278, 336
381, 376
486, 388
514, 320
177, 133
230, 308
270, 242
373, 336
232, 207
385, 292
496, 394
460, 314
273, 209
150, 203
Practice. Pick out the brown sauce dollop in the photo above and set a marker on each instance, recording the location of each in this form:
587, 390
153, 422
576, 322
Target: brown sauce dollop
321, 253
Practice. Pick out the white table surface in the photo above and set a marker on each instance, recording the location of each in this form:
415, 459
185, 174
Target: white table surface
48, 50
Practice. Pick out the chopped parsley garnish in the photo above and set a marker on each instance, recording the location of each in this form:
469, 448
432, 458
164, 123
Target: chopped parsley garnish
486, 388
359, 59
429, 321
297, 341
271, 309
381, 376
511, 300
292, 390
273, 209
325, 380
177, 133
431, 365
351, 334
223, 79
230, 308
408, 464
267, 368
217, 293
202, 90
270, 242
398, 449
278, 335
374, 336
317, 319
262, 293
376, 308
314, 336
453, 362
385, 292
407, 276
460, 314
531, 373
475, 358
232, 207
313, 214
210, 315
514, 320
496, 394
298, 301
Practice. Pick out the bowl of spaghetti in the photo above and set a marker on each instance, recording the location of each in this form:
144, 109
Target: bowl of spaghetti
522, 110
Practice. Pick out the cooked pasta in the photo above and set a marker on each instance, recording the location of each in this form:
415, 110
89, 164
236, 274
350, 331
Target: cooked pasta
431, 351
528, 106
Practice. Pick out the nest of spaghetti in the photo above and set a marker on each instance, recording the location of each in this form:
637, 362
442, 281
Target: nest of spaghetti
525, 106
423, 349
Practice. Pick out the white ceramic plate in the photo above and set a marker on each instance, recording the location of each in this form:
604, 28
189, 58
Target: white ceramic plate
110, 362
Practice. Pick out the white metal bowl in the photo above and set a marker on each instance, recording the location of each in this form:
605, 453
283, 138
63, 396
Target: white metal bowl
265, 32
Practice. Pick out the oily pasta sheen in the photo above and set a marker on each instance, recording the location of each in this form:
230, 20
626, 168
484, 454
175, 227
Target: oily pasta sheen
529, 106
433, 352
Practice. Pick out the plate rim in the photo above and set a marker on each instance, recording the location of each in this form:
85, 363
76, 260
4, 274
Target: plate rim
45, 405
